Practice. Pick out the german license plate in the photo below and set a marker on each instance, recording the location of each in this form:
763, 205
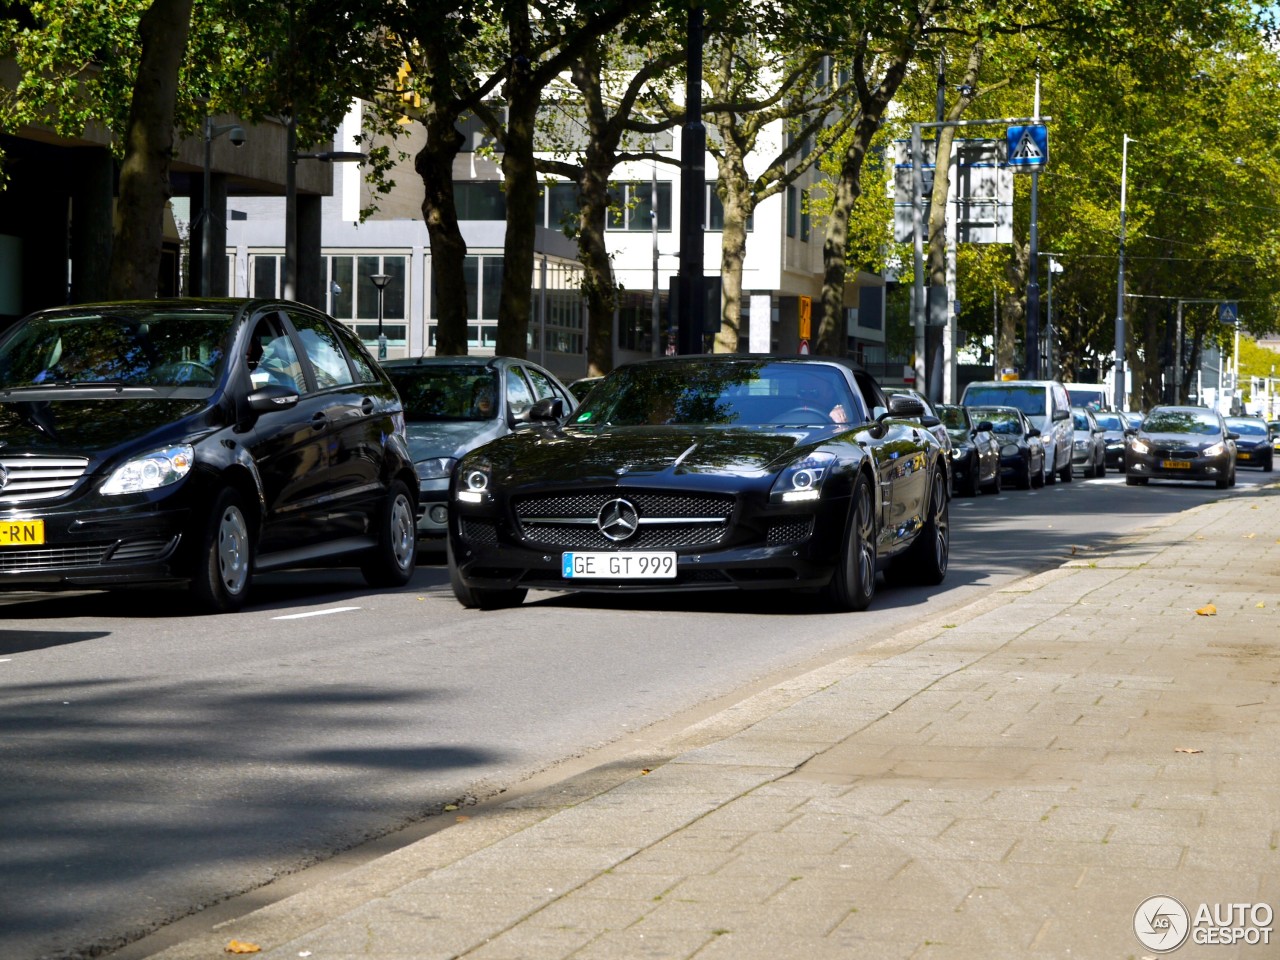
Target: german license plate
21, 533
632, 565
1243, 456
1176, 464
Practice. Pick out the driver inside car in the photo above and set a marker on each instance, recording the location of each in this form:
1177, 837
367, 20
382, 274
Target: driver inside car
817, 392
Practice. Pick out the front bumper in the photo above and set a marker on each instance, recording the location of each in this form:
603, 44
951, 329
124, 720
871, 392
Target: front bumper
1178, 466
433, 509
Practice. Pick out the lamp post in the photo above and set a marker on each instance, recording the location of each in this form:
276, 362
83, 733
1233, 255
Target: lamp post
1120, 336
291, 198
380, 280
211, 133
1054, 267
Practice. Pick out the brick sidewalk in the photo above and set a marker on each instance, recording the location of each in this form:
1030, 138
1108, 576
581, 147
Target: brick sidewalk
1010, 780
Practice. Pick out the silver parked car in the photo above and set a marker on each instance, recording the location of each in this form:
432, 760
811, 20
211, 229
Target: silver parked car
454, 404
1089, 447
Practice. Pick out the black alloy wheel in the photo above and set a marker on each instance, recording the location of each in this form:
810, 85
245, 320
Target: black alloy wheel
925, 561
853, 584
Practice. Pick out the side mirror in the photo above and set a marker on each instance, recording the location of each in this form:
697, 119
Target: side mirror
904, 408
1033, 432
1061, 415
272, 396
546, 410
928, 421
1233, 436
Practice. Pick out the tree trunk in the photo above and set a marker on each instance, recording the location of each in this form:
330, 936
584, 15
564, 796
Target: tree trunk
733, 252
434, 164
144, 175
831, 339
597, 280
1014, 311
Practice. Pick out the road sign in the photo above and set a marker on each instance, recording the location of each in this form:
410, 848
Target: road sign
806, 317
1028, 146
804, 346
1228, 313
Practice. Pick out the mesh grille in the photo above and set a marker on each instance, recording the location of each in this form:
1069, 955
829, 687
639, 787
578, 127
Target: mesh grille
587, 505
535, 514
140, 550
39, 478
48, 558
484, 532
588, 537
791, 531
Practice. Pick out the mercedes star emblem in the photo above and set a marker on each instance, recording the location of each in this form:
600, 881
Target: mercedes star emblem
4, 476
618, 520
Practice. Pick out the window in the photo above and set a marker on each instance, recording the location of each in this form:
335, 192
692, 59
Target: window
635, 319
632, 203
804, 216
482, 300
560, 206
715, 210
323, 350
480, 200
355, 301
791, 211
519, 399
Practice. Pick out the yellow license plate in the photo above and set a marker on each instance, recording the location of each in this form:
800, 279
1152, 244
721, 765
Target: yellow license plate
21, 533
1175, 464
1243, 456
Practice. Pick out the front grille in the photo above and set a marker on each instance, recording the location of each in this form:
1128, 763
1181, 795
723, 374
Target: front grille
790, 531
139, 551
39, 478
483, 532
49, 558
666, 520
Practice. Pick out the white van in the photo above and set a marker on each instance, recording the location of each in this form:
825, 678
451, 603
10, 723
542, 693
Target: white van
1092, 395
1046, 404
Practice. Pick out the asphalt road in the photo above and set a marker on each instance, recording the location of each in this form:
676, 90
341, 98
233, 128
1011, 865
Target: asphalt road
155, 762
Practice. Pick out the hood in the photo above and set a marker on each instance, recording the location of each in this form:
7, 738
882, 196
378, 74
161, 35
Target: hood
618, 454
89, 427
445, 438
1184, 440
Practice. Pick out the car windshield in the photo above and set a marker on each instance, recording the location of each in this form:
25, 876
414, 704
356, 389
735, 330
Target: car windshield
142, 347
1111, 421
1003, 422
1030, 400
1180, 421
446, 391
1087, 397
952, 417
1245, 427
732, 393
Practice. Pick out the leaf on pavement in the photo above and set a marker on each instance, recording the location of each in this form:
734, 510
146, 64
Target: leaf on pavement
1208, 610
1186, 750
240, 946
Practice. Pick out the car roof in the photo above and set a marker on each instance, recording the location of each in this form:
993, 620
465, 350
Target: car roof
727, 358
462, 361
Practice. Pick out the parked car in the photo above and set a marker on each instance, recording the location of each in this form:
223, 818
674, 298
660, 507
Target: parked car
1273, 430
707, 472
197, 440
1181, 443
1045, 403
1021, 450
582, 386
1254, 447
975, 454
1089, 448
454, 404
930, 420
1113, 424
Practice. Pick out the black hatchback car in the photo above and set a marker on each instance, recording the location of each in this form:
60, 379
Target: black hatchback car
197, 440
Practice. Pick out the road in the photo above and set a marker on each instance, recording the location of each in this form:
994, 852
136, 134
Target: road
156, 762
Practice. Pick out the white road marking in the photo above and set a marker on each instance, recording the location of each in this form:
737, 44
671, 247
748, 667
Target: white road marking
315, 613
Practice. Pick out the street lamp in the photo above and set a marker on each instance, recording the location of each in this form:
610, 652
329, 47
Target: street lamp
1119, 367
211, 133
291, 198
380, 280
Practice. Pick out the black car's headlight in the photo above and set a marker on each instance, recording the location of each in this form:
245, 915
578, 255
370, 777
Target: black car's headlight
150, 471
474, 480
437, 468
803, 479
1138, 445
1009, 450
1115, 444
961, 451
1216, 450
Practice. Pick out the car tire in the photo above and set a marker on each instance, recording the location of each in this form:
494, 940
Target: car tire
1101, 471
1050, 475
224, 564
1133, 481
853, 584
1025, 481
1269, 465
995, 484
1037, 481
925, 561
1065, 474
970, 487
391, 563
474, 599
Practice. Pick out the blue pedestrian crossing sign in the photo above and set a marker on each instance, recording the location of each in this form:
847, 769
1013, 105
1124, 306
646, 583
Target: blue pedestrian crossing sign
1228, 313
1028, 146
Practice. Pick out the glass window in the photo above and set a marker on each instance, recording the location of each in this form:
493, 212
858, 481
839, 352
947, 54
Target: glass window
562, 205
480, 200
271, 357
542, 387
358, 354
519, 399
804, 216
791, 211
715, 210
266, 273
323, 349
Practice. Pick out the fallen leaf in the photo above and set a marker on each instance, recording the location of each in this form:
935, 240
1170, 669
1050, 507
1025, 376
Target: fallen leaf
1260, 604
1073, 550
1208, 610
451, 806
461, 818
1250, 536
645, 772
1186, 750
240, 946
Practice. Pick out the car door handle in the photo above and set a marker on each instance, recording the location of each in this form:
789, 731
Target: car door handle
319, 421
366, 406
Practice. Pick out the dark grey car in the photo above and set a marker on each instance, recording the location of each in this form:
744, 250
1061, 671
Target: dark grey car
455, 404
1182, 443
